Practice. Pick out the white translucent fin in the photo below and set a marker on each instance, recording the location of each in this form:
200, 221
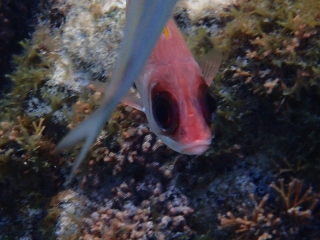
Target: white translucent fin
130, 98
133, 100
209, 65
144, 24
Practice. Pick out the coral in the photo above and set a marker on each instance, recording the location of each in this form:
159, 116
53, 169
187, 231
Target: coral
259, 223
69, 208
297, 204
268, 77
28, 173
271, 219
133, 186
284, 166
28, 140
161, 215
86, 103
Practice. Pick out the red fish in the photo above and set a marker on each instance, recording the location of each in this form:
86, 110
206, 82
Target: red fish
175, 95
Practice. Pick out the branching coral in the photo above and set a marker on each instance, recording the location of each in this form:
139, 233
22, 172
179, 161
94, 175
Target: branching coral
259, 224
161, 216
297, 203
39, 128
28, 135
268, 91
86, 103
270, 218
285, 166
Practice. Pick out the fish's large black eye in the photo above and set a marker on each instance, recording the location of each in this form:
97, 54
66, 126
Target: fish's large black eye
165, 112
208, 104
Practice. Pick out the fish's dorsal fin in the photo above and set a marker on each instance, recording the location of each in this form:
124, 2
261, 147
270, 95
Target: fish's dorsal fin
209, 65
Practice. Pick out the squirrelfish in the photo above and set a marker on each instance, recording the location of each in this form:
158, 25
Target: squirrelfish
174, 92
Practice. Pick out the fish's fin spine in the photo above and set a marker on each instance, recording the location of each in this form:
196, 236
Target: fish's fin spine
209, 65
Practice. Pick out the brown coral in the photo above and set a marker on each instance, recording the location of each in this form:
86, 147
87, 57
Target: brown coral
297, 203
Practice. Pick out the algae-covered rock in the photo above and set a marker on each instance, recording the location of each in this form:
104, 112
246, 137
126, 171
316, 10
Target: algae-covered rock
256, 179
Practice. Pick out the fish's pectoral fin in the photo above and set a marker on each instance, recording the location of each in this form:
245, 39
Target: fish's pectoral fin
209, 65
88, 131
132, 100
98, 86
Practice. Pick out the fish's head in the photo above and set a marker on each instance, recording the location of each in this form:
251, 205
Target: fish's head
180, 113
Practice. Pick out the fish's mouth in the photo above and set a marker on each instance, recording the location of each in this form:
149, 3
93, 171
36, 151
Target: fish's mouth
196, 148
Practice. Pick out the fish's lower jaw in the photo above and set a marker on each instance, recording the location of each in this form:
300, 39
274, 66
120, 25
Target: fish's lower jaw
196, 148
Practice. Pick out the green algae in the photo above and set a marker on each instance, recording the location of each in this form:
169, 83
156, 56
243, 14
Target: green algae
269, 85
32, 70
27, 161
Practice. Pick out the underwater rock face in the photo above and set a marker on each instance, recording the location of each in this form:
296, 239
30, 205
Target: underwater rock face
259, 178
16, 18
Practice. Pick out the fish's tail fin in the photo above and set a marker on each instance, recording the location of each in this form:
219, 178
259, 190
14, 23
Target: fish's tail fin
88, 131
